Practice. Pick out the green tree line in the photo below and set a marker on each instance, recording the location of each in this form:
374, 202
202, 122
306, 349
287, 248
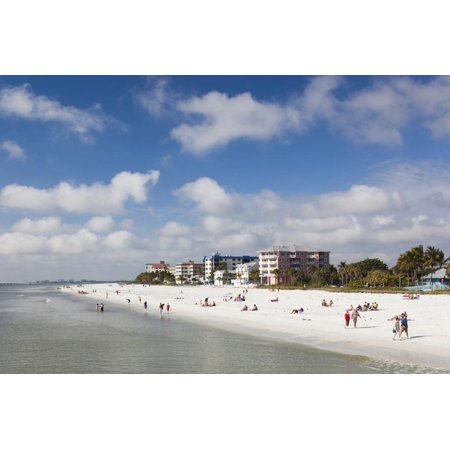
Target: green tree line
162, 277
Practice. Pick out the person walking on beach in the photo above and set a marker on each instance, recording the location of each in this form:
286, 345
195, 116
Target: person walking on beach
347, 319
167, 308
161, 308
355, 315
145, 304
396, 327
403, 325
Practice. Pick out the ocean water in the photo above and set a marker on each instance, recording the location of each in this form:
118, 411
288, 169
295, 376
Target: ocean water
44, 330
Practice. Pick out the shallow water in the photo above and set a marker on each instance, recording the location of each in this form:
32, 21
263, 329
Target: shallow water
44, 330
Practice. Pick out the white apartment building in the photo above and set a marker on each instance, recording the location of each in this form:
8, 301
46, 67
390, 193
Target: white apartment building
284, 257
227, 264
243, 273
188, 271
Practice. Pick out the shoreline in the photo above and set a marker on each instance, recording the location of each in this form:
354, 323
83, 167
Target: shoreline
319, 327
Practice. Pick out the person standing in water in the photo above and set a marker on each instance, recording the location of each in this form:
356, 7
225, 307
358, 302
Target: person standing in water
161, 308
102, 307
167, 308
145, 304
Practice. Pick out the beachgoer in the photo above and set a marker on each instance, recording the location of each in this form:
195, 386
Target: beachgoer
404, 325
161, 308
347, 319
294, 311
128, 300
167, 308
145, 304
98, 307
213, 303
245, 308
331, 303
102, 307
396, 327
255, 308
300, 310
355, 315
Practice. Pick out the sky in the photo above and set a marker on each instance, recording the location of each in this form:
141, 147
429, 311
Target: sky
100, 175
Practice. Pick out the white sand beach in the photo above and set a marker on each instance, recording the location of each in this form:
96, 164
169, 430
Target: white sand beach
318, 326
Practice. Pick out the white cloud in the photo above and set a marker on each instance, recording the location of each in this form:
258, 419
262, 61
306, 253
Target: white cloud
15, 243
97, 198
208, 195
227, 118
377, 114
14, 150
174, 229
358, 199
404, 206
157, 99
119, 240
19, 243
127, 224
215, 225
382, 221
84, 241
100, 224
44, 226
20, 102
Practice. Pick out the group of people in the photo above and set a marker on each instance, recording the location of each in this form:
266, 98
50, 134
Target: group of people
411, 296
161, 308
369, 307
400, 325
325, 303
351, 313
297, 311
207, 303
245, 308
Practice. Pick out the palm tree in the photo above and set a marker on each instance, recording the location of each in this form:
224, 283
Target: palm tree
412, 262
290, 272
342, 268
254, 275
277, 273
434, 259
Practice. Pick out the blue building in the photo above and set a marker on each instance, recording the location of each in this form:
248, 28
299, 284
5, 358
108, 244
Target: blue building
224, 262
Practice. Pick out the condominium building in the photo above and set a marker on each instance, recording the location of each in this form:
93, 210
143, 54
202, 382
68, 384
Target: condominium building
284, 257
224, 263
188, 271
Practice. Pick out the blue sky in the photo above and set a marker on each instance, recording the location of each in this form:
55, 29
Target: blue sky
101, 174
